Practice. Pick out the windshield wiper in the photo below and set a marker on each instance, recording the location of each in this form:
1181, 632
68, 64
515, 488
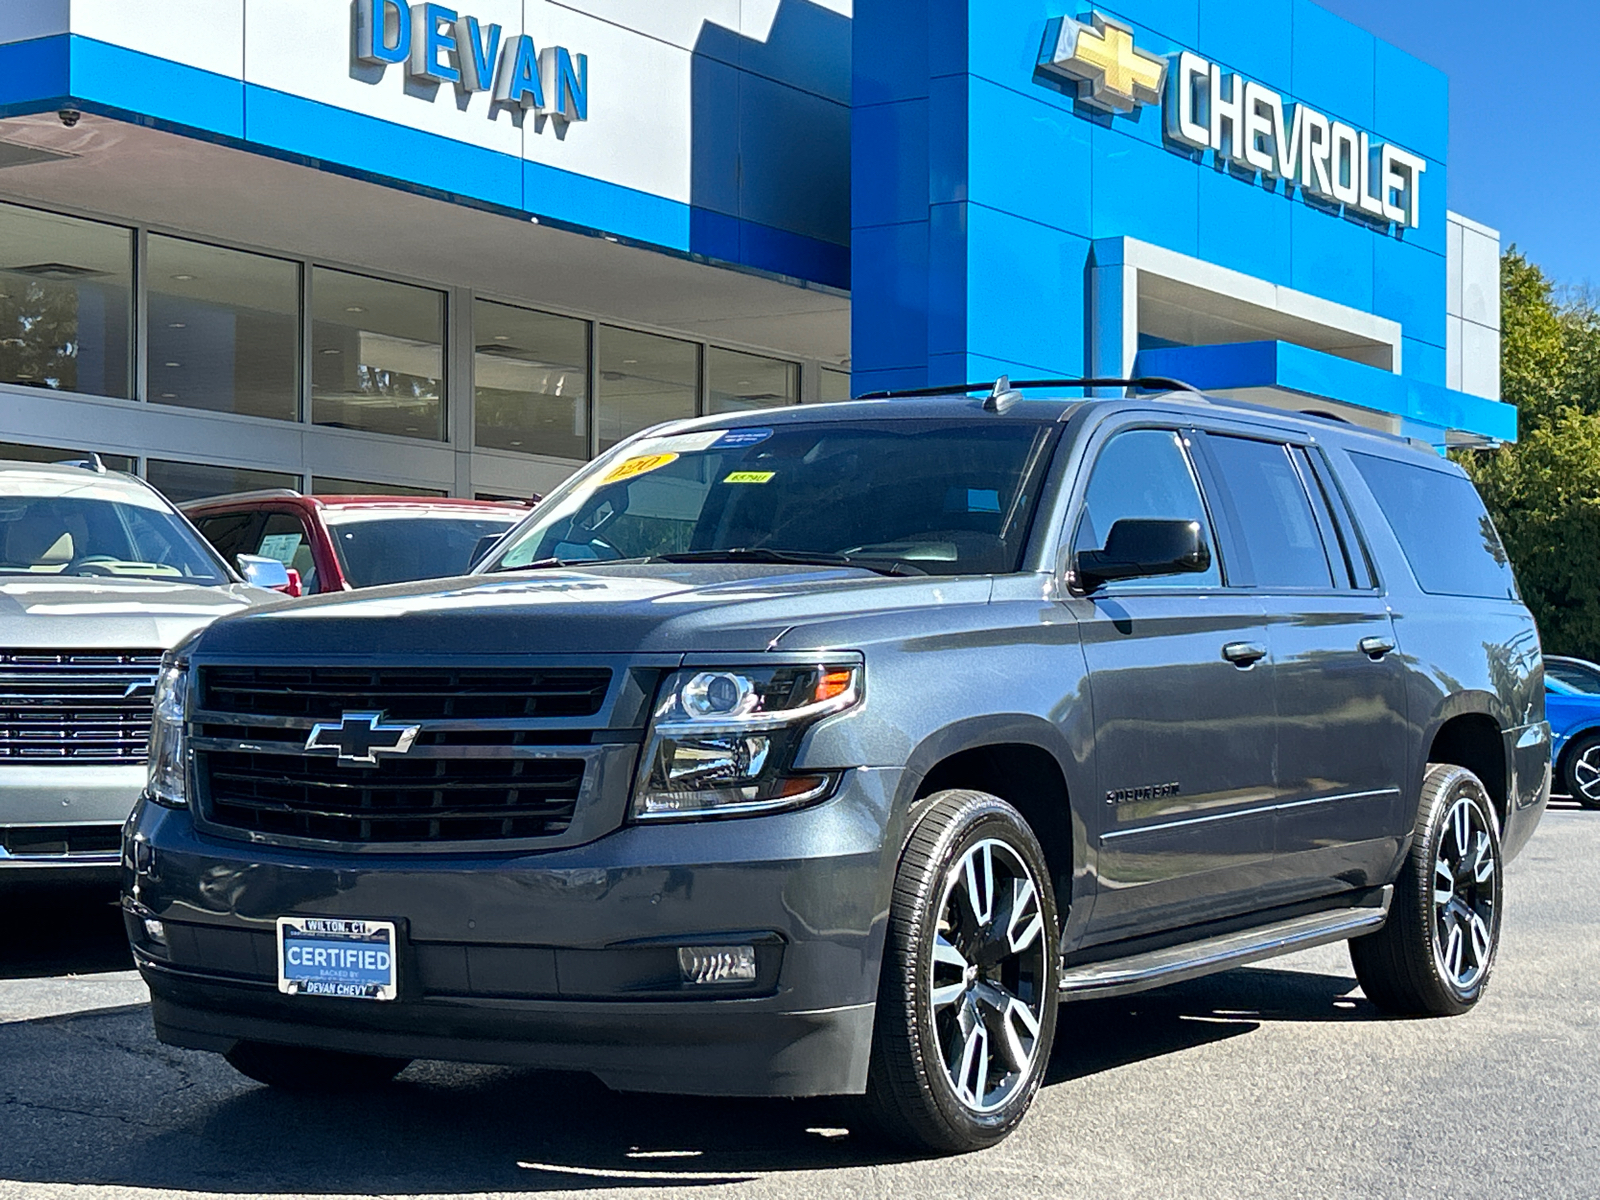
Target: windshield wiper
804, 558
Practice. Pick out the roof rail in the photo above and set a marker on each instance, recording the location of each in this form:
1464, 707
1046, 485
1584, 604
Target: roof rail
1144, 383
89, 463
260, 494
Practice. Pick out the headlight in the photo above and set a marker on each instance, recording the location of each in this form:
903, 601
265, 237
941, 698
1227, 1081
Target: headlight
169, 743
723, 739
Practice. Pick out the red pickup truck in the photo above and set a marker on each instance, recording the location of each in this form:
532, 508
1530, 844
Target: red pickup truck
337, 543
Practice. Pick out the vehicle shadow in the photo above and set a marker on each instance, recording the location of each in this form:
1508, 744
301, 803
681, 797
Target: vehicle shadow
91, 1098
60, 930
1100, 1035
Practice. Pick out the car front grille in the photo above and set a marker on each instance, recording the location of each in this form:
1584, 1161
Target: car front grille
498, 754
474, 694
420, 800
76, 706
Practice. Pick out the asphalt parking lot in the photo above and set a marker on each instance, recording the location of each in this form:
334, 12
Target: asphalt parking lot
1277, 1080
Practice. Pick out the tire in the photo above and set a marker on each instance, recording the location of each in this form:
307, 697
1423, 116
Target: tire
1580, 770
297, 1069
1434, 954
967, 997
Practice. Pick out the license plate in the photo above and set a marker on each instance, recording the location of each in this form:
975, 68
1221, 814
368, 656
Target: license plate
327, 956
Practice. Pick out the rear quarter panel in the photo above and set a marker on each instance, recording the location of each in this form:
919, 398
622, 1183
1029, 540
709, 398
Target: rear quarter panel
1463, 655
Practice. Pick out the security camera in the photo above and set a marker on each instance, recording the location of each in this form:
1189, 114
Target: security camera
69, 117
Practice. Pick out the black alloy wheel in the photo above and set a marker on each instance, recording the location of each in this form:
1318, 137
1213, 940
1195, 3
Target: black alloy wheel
967, 998
1580, 770
1434, 954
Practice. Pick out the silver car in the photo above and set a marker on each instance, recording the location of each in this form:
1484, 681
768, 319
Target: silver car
99, 576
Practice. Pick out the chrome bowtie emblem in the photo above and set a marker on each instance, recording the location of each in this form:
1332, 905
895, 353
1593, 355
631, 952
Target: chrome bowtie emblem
359, 737
1098, 56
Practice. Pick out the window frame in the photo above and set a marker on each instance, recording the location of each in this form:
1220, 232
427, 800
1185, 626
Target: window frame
1239, 549
1344, 516
1078, 502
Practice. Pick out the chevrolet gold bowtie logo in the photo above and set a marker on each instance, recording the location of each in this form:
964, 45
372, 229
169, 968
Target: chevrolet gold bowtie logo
1098, 55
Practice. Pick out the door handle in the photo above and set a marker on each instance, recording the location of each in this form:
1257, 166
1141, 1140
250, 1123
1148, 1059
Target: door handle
1375, 647
1244, 654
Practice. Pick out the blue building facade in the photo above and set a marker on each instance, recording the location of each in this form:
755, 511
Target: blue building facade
462, 247
1025, 202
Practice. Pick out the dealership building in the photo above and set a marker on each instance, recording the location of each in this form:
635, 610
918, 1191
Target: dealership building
460, 249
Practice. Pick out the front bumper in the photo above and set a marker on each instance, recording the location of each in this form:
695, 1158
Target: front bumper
50, 812
564, 959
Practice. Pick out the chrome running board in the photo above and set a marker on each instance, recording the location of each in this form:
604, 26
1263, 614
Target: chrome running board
1156, 968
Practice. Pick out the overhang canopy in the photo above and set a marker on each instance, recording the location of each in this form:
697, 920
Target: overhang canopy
1293, 377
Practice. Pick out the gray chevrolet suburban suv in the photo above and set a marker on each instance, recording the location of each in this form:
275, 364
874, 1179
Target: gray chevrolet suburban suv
828, 751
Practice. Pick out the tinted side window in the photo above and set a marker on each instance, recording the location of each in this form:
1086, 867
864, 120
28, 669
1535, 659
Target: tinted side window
1578, 678
1276, 525
1351, 543
230, 534
1443, 528
1144, 473
284, 538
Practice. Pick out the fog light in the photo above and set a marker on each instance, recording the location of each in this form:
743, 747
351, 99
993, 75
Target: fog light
717, 964
155, 930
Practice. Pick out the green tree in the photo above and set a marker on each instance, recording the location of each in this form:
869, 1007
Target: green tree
1544, 491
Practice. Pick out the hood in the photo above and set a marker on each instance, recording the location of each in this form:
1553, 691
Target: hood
48, 612
619, 610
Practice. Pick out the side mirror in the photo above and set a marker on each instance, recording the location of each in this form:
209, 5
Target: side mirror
481, 551
1140, 548
262, 572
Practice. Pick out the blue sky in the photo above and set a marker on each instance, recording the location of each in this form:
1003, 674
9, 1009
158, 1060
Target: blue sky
1524, 157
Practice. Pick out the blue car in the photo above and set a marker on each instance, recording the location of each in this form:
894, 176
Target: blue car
1574, 714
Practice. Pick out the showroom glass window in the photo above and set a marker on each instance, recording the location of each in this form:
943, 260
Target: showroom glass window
644, 380
328, 485
224, 329
833, 385
56, 454
377, 355
530, 377
181, 482
66, 303
736, 381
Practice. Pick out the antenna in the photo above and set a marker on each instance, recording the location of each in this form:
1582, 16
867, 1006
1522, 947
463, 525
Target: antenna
90, 463
1002, 397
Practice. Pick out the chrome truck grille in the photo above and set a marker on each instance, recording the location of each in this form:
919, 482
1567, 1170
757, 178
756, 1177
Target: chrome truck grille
76, 706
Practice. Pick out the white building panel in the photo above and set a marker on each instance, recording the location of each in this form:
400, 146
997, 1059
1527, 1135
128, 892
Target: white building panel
306, 50
640, 131
1452, 296
1480, 360
1452, 352
677, 22
208, 34
1480, 278
40, 18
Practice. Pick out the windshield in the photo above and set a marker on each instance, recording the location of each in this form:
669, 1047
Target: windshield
379, 548
938, 497
94, 531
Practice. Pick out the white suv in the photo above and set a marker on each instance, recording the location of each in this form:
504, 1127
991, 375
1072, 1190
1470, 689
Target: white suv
99, 576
